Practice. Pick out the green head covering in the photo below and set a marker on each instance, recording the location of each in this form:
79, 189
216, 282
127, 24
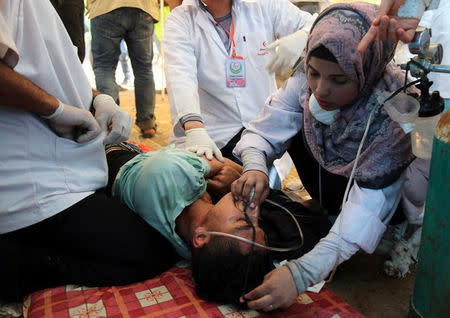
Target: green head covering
158, 185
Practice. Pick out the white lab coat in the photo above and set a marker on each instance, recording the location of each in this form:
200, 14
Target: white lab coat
439, 22
42, 173
196, 56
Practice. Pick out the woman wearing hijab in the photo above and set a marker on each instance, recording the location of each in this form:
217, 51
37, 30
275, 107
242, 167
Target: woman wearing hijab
321, 115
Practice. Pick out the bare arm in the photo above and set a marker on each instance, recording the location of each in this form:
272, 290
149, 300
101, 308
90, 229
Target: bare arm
193, 124
215, 166
17, 91
65, 120
222, 175
233, 165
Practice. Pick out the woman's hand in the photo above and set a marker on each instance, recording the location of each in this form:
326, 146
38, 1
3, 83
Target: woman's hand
387, 25
278, 290
242, 187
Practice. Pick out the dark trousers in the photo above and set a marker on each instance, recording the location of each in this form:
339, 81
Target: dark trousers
96, 242
227, 150
71, 13
321, 185
116, 159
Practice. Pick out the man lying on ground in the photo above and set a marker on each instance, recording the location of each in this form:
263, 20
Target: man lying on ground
187, 198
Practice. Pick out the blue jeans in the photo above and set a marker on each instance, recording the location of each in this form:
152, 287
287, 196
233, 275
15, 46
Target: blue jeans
136, 28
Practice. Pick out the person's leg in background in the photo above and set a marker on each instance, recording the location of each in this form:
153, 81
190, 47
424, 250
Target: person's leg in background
107, 31
124, 63
96, 242
140, 49
71, 13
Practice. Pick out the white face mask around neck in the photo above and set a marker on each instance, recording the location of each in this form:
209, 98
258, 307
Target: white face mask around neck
324, 116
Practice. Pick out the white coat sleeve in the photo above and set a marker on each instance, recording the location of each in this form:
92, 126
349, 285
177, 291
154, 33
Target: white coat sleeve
280, 119
288, 18
360, 225
180, 69
415, 8
8, 51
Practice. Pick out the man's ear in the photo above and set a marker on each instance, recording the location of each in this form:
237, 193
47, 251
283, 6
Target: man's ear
200, 237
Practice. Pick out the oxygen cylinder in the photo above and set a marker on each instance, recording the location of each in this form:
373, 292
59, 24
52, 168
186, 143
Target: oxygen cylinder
432, 286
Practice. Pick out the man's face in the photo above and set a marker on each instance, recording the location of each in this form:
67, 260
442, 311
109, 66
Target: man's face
227, 216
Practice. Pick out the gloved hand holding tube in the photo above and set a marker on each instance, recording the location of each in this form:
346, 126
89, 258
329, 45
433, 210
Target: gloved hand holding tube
73, 123
108, 113
199, 142
287, 51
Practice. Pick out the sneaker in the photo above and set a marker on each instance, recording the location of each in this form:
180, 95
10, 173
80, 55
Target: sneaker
148, 127
403, 255
148, 133
12, 310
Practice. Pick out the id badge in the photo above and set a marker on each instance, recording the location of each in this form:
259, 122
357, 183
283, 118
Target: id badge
235, 70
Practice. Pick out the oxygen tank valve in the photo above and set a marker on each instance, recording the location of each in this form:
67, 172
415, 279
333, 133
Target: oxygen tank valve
430, 105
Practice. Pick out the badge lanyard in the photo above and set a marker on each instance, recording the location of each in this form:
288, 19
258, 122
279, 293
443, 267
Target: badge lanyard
231, 35
235, 66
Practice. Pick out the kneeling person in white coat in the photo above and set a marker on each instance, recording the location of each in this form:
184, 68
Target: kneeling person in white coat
215, 60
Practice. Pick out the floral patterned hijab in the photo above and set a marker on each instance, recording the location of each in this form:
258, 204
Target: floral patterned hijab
387, 149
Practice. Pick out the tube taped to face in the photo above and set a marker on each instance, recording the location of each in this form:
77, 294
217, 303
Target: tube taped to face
324, 116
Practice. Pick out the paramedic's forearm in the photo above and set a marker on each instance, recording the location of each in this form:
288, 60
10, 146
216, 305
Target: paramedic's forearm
17, 91
315, 265
193, 124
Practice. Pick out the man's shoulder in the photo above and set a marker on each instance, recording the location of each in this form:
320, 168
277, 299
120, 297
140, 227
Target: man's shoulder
182, 15
185, 10
259, 3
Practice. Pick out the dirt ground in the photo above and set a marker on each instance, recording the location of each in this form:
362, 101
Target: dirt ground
359, 281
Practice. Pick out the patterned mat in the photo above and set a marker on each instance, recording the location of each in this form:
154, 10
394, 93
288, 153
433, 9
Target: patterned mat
170, 295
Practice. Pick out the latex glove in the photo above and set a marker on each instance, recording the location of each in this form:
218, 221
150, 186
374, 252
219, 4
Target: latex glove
73, 123
278, 290
108, 113
287, 51
198, 141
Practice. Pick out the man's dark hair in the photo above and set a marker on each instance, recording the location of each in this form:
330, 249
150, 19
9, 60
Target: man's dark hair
219, 270
321, 52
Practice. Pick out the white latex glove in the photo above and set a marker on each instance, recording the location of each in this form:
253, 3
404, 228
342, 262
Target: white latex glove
198, 141
287, 51
108, 113
74, 123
